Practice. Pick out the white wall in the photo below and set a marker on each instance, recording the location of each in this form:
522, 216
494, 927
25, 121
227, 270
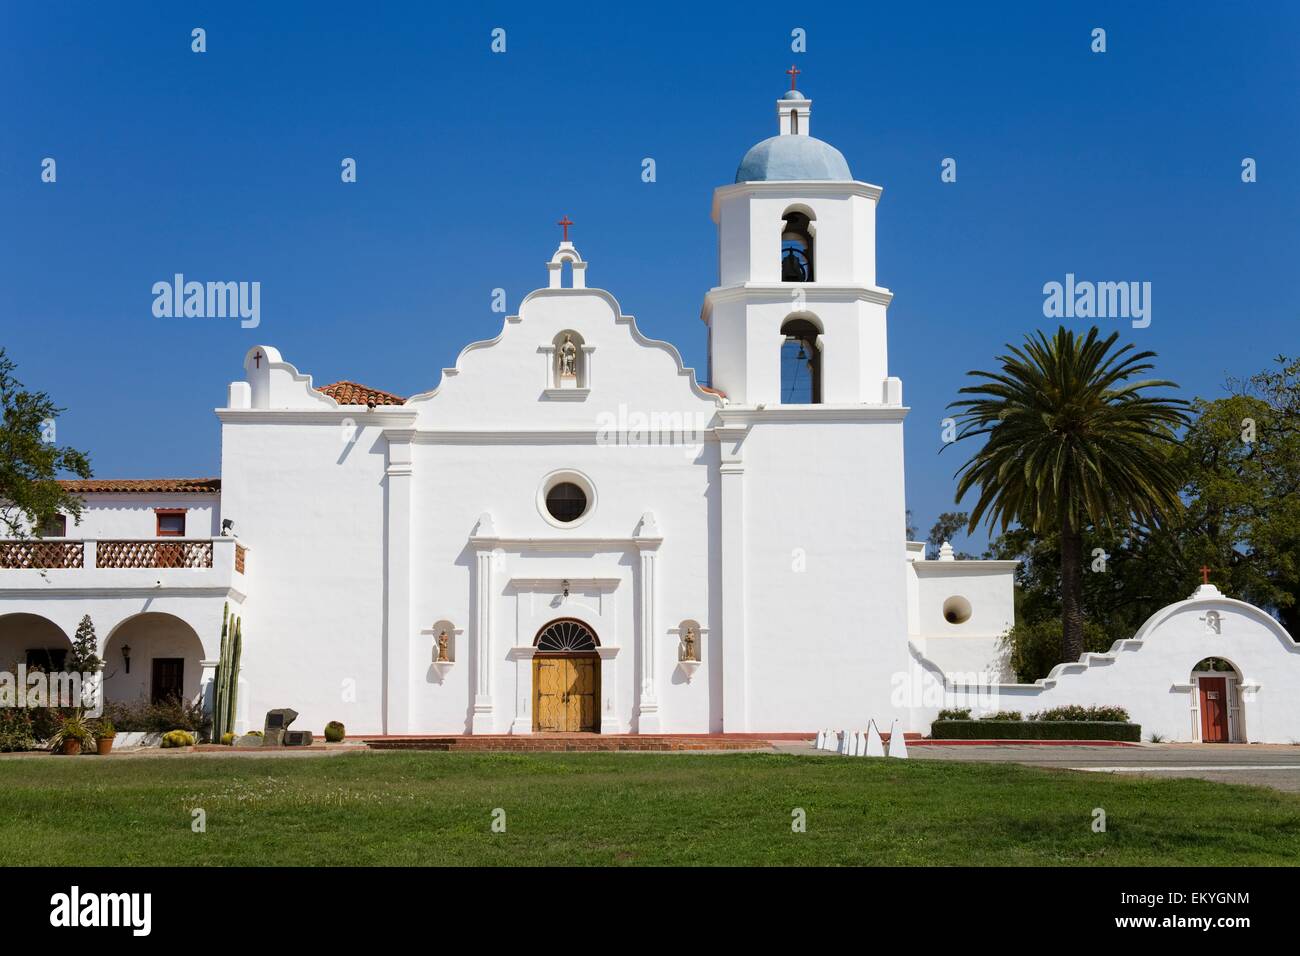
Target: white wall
1150, 675
973, 646
132, 515
823, 644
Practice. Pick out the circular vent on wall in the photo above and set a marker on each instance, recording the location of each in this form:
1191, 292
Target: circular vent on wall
956, 610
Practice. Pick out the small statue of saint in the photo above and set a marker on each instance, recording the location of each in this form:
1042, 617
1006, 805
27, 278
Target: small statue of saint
568, 358
688, 645
442, 647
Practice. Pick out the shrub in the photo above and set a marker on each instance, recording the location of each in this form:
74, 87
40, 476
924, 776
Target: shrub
1076, 712
72, 727
46, 720
1004, 715
178, 738
253, 733
956, 713
334, 732
16, 730
1034, 648
141, 715
104, 729
228, 738
1034, 730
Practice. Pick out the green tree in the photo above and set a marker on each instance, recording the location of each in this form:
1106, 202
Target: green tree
85, 648
1072, 440
949, 524
30, 461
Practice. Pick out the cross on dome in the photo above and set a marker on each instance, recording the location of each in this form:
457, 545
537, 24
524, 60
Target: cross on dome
793, 72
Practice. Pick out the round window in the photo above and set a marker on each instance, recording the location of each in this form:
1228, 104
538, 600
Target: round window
956, 610
566, 502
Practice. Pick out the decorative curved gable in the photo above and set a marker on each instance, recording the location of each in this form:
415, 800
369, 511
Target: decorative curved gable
518, 379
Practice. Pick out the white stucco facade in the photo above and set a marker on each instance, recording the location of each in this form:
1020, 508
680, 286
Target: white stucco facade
739, 562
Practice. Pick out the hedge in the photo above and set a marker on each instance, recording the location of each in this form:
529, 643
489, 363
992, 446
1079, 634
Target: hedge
1035, 730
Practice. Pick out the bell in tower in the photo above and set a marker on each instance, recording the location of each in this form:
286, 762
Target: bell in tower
796, 248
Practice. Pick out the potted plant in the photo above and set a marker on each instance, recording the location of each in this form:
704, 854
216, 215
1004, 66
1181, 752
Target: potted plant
104, 734
72, 733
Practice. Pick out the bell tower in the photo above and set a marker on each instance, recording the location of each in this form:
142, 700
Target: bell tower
797, 317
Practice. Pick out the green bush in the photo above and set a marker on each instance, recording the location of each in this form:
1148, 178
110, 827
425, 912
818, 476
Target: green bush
1076, 712
178, 738
141, 715
228, 737
16, 730
1033, 649
956, 713
334, 732
253, 733
1004, 715
104, 729
1034, 730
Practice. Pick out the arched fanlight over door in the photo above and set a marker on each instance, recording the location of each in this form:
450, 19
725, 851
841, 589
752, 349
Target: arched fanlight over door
566, 636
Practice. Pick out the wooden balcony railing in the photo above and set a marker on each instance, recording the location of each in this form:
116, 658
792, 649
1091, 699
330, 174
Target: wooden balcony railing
42, 554
153, 554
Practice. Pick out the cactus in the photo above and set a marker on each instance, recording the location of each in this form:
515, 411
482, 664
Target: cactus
218, 698
232, 688
177, 738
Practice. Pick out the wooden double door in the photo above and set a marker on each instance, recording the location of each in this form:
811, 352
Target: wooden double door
566, 689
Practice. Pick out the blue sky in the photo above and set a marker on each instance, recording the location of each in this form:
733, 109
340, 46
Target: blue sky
225, 165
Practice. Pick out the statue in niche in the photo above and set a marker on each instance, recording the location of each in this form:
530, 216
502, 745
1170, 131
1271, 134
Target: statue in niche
568, 358
688, 645
442, 646
1213, 622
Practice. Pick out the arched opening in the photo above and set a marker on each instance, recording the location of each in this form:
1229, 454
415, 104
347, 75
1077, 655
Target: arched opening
153, 658
801, 363
1216, 702
33, 641
797, 246
566, 678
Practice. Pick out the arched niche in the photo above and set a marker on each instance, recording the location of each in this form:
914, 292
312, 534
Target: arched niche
801, 360
798, 244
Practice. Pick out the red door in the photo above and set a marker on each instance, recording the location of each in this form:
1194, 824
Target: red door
1214, 710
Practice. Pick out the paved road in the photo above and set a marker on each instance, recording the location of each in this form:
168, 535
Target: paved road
1261, 765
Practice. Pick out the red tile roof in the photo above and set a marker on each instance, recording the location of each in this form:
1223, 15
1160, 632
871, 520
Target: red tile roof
352, 393
193, 486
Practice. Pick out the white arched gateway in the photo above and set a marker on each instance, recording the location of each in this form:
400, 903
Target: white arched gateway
1206, 670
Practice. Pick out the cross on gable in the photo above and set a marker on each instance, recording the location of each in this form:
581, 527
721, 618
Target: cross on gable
1205, 575
257, 359
565, 223
792, 73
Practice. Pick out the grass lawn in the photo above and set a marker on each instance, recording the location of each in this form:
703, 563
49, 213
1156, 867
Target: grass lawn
622, 808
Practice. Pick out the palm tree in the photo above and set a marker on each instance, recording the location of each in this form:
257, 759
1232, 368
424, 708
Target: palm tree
1072, 441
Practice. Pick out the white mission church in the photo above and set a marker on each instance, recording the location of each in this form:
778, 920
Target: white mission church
569, 532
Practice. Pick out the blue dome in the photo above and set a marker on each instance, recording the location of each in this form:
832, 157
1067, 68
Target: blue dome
793, 95
793, 157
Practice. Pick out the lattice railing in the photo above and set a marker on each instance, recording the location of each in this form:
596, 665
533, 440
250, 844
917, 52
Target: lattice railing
42, 554
240, 550
153, 554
